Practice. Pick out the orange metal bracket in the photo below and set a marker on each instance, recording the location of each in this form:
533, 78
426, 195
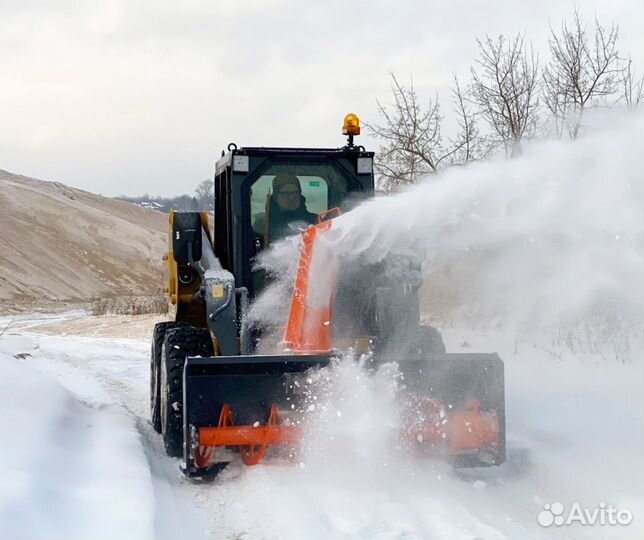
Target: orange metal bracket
329, 214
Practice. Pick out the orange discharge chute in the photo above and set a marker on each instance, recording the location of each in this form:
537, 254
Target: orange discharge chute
308, 329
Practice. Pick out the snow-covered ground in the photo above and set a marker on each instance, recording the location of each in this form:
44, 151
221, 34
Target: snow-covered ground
544, 250
79, 458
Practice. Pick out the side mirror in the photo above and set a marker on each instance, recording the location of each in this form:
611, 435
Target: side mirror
186, 236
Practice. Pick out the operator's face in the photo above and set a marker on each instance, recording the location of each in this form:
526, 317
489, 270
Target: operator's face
288, 198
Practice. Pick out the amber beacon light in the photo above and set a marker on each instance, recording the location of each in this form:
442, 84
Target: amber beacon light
351, 125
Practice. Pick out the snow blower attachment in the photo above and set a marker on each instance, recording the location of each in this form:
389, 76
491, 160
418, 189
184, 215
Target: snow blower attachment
213, 387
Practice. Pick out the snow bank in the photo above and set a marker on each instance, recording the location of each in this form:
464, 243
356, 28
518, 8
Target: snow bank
68, 471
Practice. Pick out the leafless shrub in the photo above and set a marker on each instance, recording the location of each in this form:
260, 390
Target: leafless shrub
505, 89
582, 72
608, 333
130, 305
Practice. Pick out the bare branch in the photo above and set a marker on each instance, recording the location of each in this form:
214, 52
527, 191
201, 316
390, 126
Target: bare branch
505, 89
583, 72
468, 145
633, 88
411, 137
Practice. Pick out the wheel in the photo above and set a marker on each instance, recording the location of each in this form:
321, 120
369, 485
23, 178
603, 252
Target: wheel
429, 341
178, 343
158, 336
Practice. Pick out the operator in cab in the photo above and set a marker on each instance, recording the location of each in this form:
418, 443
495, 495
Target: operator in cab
286, 210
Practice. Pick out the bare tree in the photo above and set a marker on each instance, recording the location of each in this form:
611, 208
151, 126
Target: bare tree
505, 89
411, 136
582, 72
205, 194
412, 139
633, 87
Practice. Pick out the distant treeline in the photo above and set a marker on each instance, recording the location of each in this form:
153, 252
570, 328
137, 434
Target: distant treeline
203, 199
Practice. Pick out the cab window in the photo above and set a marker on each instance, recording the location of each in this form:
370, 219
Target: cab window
289, 196
315, 191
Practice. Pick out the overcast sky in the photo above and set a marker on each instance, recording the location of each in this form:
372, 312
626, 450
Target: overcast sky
127, 97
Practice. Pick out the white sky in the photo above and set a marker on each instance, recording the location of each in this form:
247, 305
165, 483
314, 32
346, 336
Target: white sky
127, 97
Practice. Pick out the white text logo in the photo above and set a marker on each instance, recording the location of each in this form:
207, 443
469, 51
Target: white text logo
604, 514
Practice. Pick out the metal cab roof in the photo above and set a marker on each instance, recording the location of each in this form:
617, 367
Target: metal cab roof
265, 151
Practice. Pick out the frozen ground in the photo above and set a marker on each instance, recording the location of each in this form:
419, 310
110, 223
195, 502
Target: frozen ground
80, 459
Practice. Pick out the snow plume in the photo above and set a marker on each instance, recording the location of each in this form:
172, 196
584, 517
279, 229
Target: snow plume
277, 266
553, 239
551, 236
351, 415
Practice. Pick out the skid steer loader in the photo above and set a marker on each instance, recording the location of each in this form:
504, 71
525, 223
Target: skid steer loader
213, 387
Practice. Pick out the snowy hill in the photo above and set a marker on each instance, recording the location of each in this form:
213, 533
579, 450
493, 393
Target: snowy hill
61, 244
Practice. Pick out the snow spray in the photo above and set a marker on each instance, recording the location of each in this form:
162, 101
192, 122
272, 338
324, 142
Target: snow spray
553, 239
